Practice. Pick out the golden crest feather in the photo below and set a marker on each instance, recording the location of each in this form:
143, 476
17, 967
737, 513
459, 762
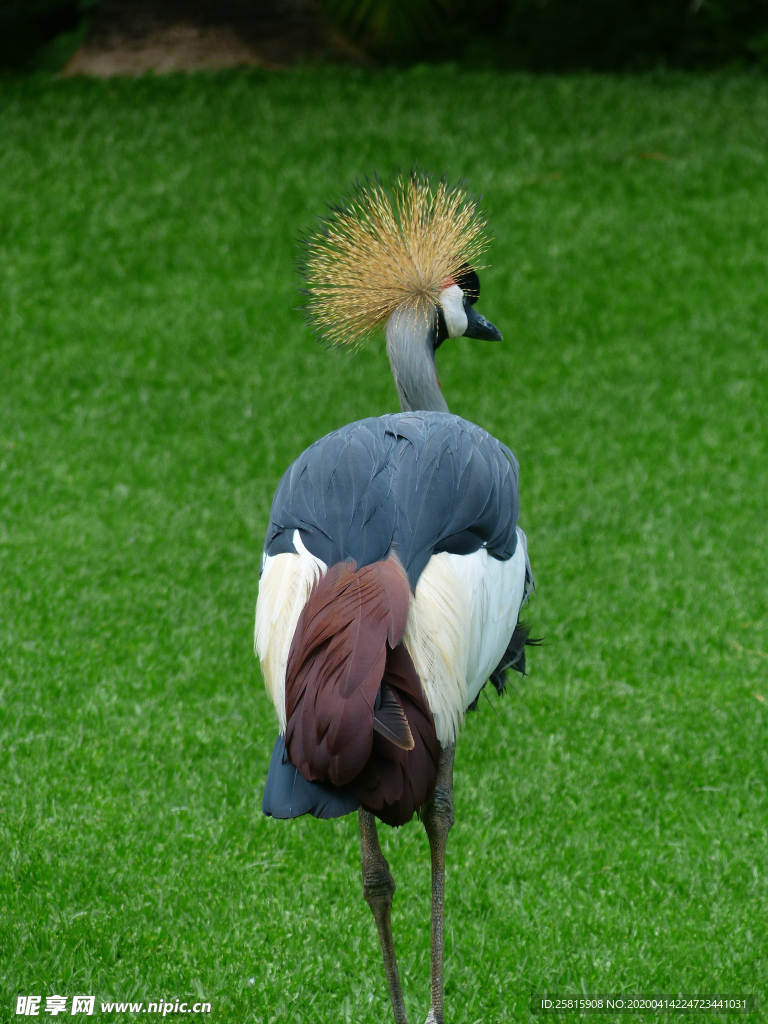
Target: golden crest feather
387, 249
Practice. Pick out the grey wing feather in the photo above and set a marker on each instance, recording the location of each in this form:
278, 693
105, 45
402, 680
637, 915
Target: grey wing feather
415, 483
530, 586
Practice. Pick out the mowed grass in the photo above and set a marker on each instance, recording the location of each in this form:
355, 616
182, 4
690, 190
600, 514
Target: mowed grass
611, 815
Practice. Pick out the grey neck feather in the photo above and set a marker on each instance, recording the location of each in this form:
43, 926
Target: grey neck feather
412, 357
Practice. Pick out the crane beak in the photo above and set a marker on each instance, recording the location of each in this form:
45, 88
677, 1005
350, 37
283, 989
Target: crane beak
479, 327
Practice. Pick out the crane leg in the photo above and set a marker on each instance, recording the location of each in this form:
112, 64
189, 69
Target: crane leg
378, 890
438, 819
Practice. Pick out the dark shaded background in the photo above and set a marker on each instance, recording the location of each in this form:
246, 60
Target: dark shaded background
535, 35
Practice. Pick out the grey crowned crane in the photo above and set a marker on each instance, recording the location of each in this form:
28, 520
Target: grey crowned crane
394, 569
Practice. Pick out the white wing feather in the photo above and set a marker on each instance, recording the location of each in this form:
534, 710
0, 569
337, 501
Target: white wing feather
459, 625
285, 585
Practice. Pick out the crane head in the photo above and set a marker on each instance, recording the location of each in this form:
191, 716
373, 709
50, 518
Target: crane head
456, 313
407, 248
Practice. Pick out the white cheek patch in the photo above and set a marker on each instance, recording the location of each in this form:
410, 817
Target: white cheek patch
452, 301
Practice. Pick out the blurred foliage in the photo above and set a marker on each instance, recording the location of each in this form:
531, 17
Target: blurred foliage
396, 27
41, 35
561, 35
534, 35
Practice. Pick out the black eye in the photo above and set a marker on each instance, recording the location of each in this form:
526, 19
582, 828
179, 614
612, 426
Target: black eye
469, 283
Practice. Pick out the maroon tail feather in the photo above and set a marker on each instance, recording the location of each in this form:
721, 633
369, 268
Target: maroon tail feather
390, 720
346, 653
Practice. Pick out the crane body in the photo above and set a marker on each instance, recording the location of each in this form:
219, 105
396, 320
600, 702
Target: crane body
438, 493
394, 568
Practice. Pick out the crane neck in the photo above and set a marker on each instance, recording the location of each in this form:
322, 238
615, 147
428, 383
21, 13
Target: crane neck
411, 351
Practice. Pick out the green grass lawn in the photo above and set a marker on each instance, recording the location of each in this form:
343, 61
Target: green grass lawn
156, 381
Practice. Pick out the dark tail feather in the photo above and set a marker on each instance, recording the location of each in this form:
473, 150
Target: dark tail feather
389, 719
356, 712
287, 794
514, 656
